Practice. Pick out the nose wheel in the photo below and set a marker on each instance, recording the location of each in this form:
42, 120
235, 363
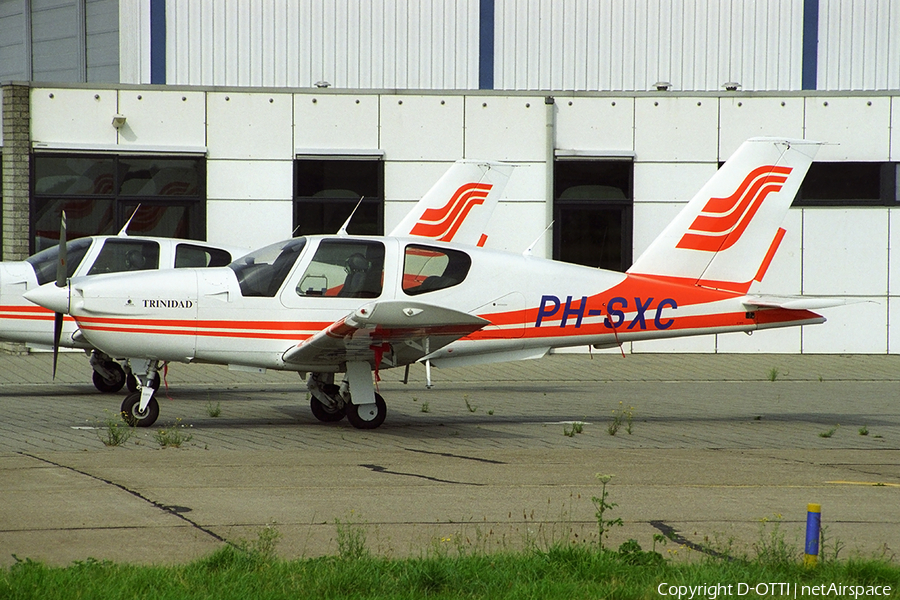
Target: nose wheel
132, 414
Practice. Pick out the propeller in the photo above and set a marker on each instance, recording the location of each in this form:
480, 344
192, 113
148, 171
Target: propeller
61, 281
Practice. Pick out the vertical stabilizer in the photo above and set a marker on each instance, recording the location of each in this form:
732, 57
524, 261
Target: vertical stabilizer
459, 206
727, 234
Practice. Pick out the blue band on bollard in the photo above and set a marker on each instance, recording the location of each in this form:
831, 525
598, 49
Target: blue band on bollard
813, 526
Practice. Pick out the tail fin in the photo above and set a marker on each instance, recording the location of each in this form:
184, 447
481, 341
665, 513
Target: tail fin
727, 234
459, 205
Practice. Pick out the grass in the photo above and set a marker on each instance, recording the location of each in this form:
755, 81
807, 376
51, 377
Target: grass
829, 432
565, 571
173, 437
114, 431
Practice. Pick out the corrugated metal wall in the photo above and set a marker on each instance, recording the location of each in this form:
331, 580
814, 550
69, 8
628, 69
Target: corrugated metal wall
859, 45
12, 40
632, 44
428, 44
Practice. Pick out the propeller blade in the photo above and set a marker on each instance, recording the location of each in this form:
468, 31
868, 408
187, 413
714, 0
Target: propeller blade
62, 277
61, 267
57, 334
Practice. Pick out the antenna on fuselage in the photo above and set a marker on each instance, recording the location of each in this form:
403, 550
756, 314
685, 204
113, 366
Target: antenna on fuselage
122, 232
343, 230
528, 251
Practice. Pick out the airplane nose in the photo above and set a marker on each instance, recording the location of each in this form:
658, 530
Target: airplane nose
50, 296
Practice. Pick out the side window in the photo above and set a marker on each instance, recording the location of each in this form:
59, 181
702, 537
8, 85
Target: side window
189, 255
426, 269
344, 269
44, 262
126, 255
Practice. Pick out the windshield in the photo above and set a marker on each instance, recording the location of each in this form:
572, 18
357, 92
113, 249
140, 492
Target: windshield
262, 272
44, 262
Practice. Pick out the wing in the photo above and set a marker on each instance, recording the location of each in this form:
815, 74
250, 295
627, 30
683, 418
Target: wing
793, 302
394, 331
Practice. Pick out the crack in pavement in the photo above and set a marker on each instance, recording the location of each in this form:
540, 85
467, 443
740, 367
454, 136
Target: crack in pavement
380, 469
175, 511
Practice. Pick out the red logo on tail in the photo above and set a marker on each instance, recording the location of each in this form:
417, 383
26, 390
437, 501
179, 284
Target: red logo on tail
443, 223
722, 221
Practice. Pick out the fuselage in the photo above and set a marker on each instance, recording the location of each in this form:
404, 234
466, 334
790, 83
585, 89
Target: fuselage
23, 321
253, 311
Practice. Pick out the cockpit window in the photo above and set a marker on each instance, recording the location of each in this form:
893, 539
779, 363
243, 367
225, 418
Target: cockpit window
427, 269
262, 272
121, 255
44, 262
344, 269
191, 256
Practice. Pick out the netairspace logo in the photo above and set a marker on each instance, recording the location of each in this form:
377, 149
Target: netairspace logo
774, 590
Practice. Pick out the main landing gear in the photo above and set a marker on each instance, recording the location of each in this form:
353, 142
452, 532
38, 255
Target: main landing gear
109, 376
140, 408
365, 409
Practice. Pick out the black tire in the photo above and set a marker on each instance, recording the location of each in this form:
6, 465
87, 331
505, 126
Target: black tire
324, 413
108, 386
367, 418
134, 418
131, 383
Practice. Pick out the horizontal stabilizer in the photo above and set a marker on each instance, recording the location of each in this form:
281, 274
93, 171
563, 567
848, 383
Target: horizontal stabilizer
793, 302
397, 332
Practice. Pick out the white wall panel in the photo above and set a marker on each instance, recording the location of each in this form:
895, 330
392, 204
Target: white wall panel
422, 127
252, 126
894, 257
597, 124
670, 182
859, 48
506, 128
73, 116
336, 121
894, 325
407, 182
250, 180
786, 339
860, 327
861, 125
683, 129
515, 225
742, 117
696, 343
430, 44
895, 129
249, 224
630, 45
845, 251
163, 118
650, 218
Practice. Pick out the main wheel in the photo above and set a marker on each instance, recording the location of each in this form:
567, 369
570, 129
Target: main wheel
136, 418
116, 380
325, 413
367, 416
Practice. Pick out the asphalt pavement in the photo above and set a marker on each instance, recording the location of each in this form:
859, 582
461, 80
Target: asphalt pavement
721, 452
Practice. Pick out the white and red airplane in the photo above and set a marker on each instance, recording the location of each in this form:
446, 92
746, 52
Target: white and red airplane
21, 321
354, 305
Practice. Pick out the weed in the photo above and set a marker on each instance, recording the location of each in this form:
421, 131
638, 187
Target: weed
214, 411
491, 412
602, 505
173, 437
773, 374
620, 416
829, 433
425, 408
114, 432
771, 548
351, 540
472, 408
262, 550
864, 430
577, 427
828, 549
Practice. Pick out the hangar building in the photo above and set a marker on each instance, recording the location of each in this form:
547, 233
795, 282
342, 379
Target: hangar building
244, 121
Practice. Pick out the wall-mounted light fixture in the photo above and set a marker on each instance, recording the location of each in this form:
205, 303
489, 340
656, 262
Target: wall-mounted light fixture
118, 121
662, 86
322, 84
731, 86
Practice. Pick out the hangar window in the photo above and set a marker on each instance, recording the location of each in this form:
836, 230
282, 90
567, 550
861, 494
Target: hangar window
100, 192
849, 184
592, 212
326, 190
427, 269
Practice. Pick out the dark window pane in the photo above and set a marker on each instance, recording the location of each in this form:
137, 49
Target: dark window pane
71, 176
262, 272
312, 217
589, 180
345, 269
591, 236
44, 262
176, 220
426, 269
842, 183
119, 255
159, 177
83, 218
